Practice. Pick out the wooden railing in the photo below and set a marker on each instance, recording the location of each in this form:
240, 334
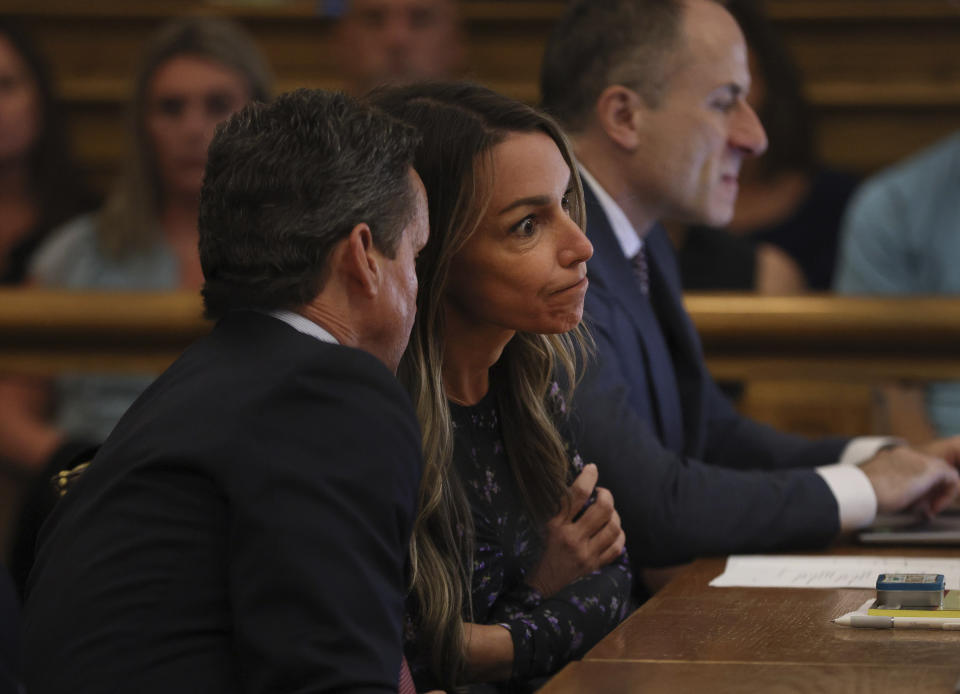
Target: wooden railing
44, 332
745, 337
828, 337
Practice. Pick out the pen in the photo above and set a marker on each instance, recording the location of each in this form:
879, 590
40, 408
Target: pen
875, 622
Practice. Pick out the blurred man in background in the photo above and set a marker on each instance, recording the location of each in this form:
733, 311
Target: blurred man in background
900, 239
397, 41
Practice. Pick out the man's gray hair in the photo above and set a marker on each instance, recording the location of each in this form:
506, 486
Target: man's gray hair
286, 181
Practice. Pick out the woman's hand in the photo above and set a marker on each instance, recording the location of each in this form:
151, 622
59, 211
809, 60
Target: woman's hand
575, 548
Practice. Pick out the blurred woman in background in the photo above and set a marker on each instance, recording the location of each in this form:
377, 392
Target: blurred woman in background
194, 74
40, 186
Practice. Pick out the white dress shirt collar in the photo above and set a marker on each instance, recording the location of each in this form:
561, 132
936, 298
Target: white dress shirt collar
627, 236
304, 325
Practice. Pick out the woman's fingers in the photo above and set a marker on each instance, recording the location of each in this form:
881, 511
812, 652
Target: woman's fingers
581, 489
615, 550
609, 542
597, 515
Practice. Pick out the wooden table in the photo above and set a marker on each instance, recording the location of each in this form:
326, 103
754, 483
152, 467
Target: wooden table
693, 638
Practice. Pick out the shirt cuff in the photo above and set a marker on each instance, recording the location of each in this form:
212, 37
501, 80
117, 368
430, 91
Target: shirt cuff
862, 448
856, 500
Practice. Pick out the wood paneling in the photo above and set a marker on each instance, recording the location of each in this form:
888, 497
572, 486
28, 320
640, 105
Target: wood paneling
883, 75
779, 347
811, 408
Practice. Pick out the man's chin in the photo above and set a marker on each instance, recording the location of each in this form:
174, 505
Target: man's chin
716, 218
702, 215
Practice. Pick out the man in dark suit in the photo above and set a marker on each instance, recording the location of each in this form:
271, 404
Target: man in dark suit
653, 94
9, 634
245, 526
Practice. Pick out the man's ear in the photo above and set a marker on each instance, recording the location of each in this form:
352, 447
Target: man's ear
361, 261
619, 113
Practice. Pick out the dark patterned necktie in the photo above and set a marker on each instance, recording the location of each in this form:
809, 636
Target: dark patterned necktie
663, 382
641, 271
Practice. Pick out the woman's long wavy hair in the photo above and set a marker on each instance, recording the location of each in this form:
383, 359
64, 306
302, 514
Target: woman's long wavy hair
130, 218
55, 180
461, 124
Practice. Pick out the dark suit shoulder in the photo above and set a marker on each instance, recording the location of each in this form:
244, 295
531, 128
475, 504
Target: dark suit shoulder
262, 488
252, 360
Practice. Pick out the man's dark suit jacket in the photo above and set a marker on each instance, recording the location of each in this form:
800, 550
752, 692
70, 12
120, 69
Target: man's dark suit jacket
736, 485
9, 634
244, 528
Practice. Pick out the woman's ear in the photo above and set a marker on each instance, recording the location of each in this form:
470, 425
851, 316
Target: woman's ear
619, 113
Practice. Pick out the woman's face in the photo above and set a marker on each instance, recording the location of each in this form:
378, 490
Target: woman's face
186, 98
19, 106
525, 268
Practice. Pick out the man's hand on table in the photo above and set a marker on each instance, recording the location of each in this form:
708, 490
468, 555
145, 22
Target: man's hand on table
906, 478
948, 449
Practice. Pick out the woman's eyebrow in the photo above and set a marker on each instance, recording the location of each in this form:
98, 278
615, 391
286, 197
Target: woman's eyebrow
532, 201
535, 200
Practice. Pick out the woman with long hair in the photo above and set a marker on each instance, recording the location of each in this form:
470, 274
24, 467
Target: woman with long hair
194, 74
40, 186
515, 571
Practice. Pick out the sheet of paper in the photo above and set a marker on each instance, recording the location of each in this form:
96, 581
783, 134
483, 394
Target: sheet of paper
779, 571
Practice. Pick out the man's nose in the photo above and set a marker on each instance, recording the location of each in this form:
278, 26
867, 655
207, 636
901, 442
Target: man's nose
746, 131
195, 121
398, 30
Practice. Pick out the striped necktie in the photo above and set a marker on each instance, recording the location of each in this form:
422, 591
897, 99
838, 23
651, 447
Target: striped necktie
405, 685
